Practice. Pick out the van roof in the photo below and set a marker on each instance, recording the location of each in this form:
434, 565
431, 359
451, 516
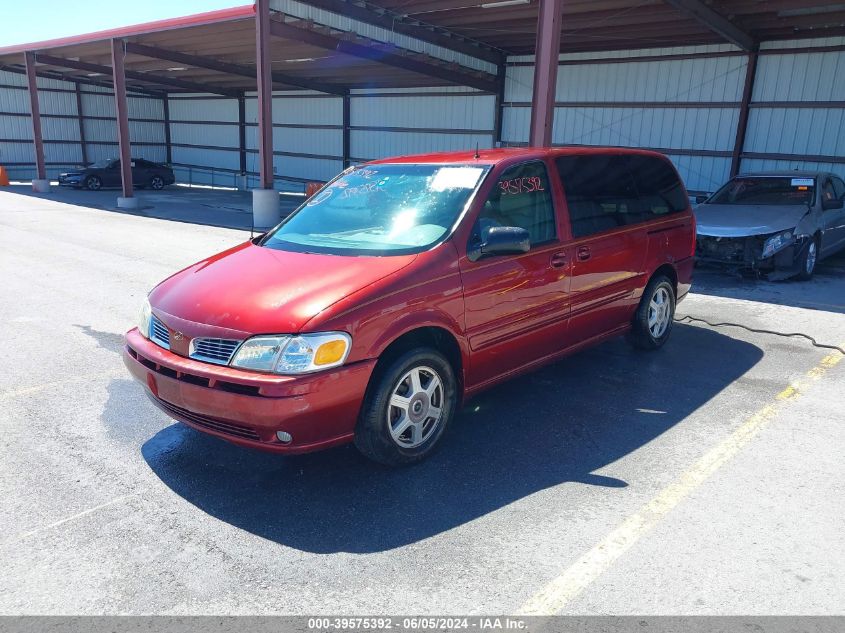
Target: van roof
493, 156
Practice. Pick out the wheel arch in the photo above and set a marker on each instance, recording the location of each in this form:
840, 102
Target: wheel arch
666, 270
435, 336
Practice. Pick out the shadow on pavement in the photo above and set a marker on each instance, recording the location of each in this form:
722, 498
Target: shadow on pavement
825, 291
557, 425
210, 207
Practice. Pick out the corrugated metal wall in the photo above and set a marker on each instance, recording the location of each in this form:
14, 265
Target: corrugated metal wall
797, 110
61, 130
689, 107
308, 131
417, 120
686, 107
307, 138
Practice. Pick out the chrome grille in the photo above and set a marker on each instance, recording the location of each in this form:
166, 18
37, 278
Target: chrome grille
213, 350
159, 333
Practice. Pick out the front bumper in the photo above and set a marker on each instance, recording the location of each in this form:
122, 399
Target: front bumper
248, 408
743, 253
70, 181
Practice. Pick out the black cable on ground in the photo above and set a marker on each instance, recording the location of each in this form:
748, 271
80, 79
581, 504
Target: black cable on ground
687, 319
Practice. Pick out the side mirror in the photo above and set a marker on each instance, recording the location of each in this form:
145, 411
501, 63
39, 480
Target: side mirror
829, 205
502, 240
701, 198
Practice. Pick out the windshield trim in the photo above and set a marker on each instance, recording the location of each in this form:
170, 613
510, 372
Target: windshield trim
487, 169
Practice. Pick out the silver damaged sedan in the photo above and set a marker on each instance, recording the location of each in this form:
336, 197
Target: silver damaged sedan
779, 223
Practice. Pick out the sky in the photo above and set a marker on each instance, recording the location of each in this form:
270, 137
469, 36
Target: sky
25, 21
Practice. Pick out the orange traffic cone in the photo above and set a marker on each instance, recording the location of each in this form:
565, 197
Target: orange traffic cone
4, 177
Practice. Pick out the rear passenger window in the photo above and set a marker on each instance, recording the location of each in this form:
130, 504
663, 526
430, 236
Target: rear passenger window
605, 191
522, 197
660, 189
600, 193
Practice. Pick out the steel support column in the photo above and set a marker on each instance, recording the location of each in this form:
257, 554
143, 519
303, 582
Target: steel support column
347, 107
500, 105
121, 110
744, 107
545, 72
83, 146
168, 144
38, 141
264, 80
242, 134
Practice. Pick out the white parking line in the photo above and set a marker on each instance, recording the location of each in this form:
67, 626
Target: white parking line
50, 526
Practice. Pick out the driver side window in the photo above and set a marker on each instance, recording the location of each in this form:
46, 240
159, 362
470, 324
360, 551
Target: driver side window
827, 191
839, 188
522, 197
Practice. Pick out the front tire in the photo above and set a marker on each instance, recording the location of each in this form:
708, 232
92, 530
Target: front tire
807, 261
655, 315
408, 407
157, 183
93, 183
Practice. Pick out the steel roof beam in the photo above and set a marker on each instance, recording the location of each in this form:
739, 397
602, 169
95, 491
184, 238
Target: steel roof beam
61, 62
716, 22
405, 25
385, 54
85, 81
229, 68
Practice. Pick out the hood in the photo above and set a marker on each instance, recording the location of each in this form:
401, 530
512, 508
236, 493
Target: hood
255, 290
739, 220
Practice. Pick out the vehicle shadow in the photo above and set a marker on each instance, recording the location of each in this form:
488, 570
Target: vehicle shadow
823, 292
557, 425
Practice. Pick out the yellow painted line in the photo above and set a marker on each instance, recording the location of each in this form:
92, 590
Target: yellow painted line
568, 585
25, 391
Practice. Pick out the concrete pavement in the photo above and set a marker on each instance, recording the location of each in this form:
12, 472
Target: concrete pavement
107, 506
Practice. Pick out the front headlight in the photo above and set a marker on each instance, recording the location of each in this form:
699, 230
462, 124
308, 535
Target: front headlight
776, 242
301, 354
144, 318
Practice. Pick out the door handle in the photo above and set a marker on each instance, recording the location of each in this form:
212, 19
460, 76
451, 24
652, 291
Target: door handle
559, 260
583, 253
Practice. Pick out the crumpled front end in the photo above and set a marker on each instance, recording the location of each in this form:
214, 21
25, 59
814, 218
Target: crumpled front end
747, 252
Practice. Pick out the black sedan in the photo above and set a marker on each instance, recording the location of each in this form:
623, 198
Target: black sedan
106, 173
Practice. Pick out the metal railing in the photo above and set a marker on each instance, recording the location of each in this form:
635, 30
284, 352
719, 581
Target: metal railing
221, 178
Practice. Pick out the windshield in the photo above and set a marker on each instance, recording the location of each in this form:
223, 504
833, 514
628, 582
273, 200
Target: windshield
766, 191
380, 210
101, 164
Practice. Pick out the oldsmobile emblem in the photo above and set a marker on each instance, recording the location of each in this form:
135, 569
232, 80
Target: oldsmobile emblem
178, 336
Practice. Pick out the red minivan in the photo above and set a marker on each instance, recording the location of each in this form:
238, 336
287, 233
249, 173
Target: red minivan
406, 285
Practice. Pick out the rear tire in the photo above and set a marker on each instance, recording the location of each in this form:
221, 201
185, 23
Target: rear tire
409, 405
93, 183
655, 315
807, 261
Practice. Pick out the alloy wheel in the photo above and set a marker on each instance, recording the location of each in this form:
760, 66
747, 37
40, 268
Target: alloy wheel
415, 409
810, 264
659, 312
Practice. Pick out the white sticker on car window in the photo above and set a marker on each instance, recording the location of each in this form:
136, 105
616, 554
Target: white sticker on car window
456, 178
803, 182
